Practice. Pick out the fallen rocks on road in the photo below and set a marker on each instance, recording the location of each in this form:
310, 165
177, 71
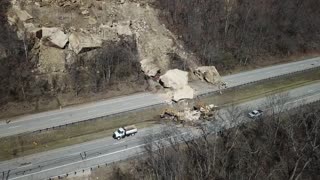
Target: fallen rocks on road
184, 93
208, 74
177, 81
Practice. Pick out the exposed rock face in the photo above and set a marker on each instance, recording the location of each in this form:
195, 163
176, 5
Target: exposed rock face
58, 39
177, 80
149, 68
124, 29
51, 59
80, 42
47, 32
208, 73
22, 15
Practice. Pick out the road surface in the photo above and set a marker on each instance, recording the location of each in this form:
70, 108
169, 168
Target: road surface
99, 152
70, 115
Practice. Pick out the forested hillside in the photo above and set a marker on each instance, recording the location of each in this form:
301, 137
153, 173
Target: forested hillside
230, 33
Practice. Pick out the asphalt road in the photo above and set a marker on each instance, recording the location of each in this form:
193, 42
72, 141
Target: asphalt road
99, 152
34, 122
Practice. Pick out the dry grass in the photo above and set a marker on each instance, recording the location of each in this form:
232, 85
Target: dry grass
261, 89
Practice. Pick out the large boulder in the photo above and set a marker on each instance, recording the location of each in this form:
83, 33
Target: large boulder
208, 73
149, 68
80, 42
184, 93
175, 79
22, 14
58, 39
48, 31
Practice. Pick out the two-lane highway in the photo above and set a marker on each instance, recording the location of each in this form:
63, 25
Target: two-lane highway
82, 156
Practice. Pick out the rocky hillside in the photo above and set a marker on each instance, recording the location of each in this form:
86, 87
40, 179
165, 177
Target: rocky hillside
59, 52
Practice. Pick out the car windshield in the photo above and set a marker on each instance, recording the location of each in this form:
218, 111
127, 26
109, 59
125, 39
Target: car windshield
120, 131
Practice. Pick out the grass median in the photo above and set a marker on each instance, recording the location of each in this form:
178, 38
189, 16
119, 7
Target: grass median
30, 143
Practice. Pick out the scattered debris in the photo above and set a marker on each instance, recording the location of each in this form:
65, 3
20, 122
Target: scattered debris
199, 112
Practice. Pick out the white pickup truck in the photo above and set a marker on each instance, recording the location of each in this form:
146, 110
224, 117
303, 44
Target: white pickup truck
125, 131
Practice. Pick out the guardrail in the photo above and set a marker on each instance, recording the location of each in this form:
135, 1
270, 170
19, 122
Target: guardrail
84, 155
164, 104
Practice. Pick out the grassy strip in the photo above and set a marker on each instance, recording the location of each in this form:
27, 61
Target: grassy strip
262, 89
30, 143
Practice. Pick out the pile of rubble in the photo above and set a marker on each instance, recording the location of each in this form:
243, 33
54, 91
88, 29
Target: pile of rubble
190, 115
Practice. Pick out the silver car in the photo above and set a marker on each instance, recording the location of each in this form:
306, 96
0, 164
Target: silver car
255, 114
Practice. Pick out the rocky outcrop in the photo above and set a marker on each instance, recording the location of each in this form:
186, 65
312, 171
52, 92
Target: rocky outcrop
79, 42
208, 74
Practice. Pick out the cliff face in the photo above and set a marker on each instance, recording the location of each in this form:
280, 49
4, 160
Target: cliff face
59, 52
63, 51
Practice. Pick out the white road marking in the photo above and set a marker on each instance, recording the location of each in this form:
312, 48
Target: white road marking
13, 127
79, 161
56, 118
119, 142
88, 159
91, 111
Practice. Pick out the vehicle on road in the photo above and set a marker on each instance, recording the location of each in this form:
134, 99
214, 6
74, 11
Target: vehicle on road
125, 131
255, 114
